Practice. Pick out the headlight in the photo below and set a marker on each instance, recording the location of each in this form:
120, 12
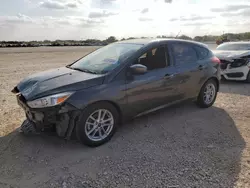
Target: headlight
49, 101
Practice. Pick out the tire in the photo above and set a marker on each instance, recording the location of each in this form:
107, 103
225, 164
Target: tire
248, 77
201, 102
84, 125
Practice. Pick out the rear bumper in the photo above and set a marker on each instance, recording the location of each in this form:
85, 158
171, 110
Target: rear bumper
56, 118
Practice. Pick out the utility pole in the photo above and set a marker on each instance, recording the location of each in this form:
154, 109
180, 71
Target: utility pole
178, 34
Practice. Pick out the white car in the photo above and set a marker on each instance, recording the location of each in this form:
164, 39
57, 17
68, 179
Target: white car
235, 60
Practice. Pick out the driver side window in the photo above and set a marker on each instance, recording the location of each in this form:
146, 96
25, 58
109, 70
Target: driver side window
153, 59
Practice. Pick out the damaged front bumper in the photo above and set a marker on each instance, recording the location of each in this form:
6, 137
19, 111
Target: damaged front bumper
60, 118
234, 69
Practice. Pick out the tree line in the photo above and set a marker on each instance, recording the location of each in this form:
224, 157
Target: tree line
111, 39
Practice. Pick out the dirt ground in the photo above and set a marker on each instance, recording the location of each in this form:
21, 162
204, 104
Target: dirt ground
181, 146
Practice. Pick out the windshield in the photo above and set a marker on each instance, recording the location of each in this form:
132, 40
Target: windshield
106, 58
234, 46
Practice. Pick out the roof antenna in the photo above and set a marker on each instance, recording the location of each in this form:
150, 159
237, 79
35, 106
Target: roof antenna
178, 34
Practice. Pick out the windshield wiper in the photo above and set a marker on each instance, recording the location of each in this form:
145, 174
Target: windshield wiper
82, 70
89, 71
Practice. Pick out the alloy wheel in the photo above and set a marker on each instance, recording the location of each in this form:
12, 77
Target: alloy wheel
99, 124
209, 93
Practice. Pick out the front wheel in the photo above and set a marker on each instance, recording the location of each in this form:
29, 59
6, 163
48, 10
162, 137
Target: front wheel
207, 94
97, 124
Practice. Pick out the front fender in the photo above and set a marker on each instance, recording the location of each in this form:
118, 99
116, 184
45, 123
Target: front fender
113, 92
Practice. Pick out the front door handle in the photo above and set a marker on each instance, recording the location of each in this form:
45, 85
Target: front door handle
169, 76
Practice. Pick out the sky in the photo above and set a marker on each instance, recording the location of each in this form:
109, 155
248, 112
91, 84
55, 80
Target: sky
99, 19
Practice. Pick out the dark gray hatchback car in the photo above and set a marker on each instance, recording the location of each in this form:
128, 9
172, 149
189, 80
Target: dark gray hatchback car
120, 81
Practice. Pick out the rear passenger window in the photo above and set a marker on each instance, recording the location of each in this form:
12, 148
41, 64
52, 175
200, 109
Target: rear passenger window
202, 52
184, 53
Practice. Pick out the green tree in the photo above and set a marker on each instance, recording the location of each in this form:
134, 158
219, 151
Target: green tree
131, 38
185, 37
198, 38
111, 39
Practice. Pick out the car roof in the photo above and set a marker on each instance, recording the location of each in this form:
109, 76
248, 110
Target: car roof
238, 42
149, 41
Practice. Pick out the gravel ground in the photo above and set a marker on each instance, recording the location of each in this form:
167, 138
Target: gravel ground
181, 146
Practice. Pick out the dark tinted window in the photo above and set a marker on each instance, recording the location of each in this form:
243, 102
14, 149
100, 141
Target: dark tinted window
202, 52
154, 58
183, 53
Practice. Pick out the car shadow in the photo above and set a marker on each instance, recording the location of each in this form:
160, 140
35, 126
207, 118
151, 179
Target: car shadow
235, 87
181, 146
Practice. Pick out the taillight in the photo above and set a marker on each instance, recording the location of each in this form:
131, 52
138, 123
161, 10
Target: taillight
215, 60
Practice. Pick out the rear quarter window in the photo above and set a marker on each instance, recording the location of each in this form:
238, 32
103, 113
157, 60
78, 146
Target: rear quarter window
202, 53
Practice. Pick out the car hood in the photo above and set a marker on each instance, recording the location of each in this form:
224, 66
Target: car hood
57, 81
221, 54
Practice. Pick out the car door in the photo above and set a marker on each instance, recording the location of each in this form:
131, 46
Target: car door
157, 86
190, 70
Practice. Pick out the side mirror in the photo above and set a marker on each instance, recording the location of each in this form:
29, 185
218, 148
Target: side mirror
138, 69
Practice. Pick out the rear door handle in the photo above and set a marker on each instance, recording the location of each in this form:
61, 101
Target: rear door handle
201, 67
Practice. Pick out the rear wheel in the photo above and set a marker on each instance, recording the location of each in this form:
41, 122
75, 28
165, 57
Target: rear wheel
97, 124
207, 94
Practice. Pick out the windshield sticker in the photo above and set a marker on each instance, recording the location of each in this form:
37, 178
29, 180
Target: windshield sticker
113, 61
